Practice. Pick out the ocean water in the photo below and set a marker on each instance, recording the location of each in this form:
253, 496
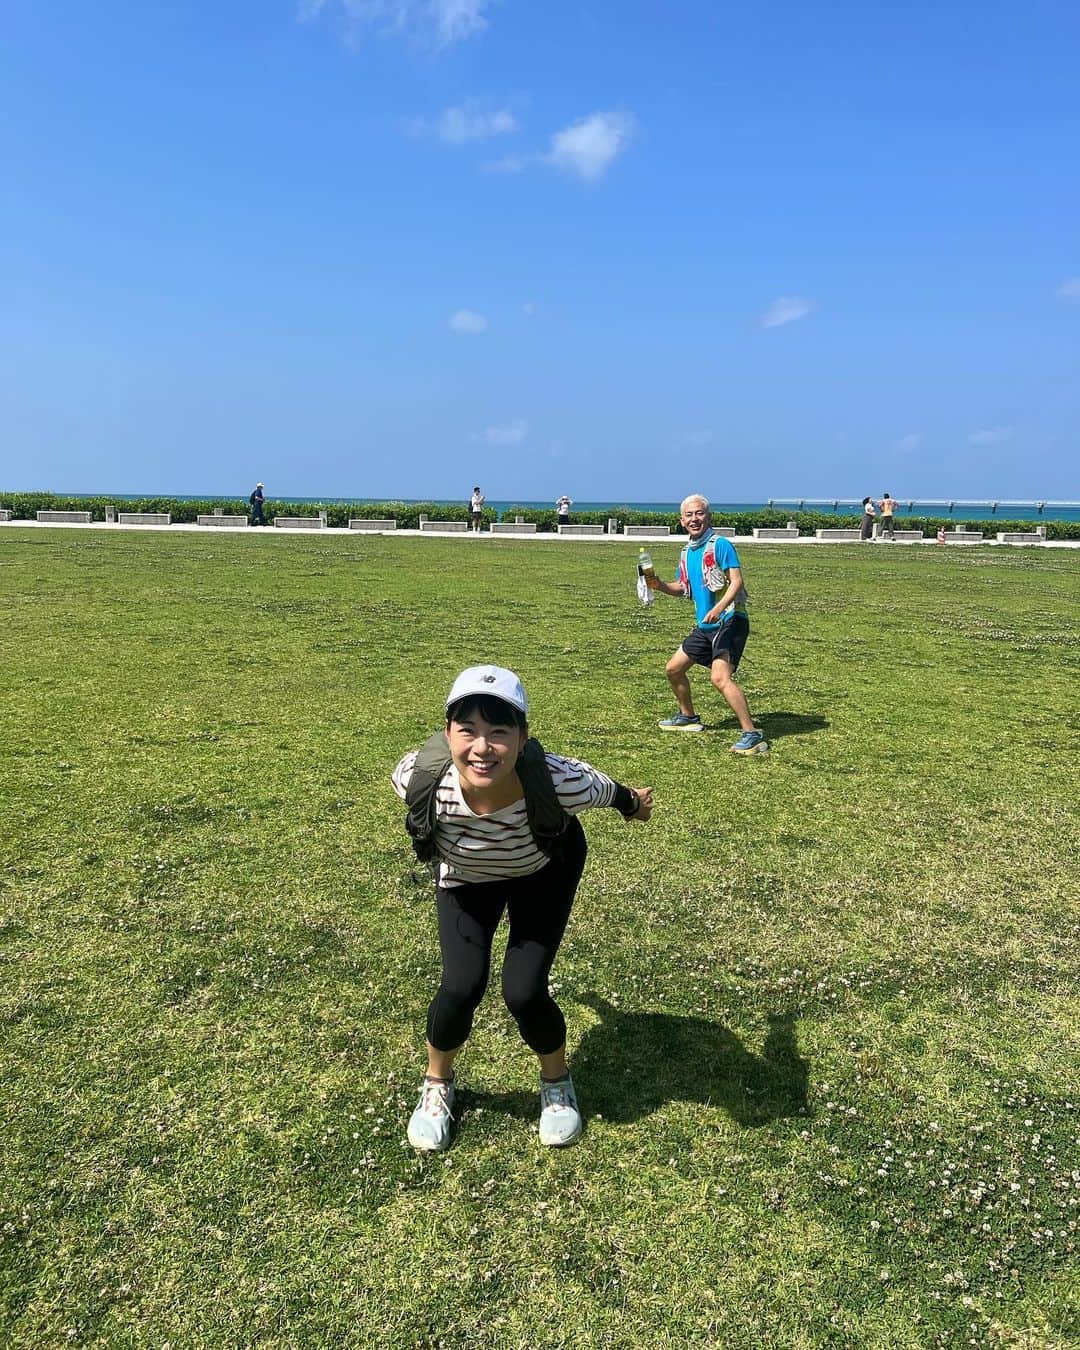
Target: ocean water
845, 506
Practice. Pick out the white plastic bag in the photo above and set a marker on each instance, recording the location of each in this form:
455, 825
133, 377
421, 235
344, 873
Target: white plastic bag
643, 593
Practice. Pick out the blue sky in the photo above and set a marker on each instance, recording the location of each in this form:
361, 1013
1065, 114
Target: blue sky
620, 249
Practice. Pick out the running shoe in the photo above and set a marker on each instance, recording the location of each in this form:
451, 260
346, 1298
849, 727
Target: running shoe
432, 1121
560, 1119
750, 743
681, 722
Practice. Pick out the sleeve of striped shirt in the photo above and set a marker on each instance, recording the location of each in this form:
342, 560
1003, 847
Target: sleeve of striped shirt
400, 777
579, 786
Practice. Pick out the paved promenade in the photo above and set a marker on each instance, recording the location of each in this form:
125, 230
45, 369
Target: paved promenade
571, 539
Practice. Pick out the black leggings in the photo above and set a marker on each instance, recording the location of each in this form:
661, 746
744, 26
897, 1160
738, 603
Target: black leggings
539, 906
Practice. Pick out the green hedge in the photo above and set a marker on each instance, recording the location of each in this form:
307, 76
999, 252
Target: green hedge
745, 522
25, 505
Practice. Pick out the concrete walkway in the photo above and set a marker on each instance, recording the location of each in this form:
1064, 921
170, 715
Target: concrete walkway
207, 531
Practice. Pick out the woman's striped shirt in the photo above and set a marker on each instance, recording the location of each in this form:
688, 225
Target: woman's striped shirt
495, 847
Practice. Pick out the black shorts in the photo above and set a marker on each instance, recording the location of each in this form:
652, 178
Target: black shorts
704, 646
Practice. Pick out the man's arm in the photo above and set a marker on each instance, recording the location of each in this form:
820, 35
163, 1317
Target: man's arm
668, 587
734, 586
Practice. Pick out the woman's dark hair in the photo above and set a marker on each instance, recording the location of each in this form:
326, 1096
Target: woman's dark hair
865, 500
490, 709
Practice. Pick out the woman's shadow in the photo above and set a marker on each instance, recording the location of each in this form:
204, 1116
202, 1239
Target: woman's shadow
634, 1062
631, 1063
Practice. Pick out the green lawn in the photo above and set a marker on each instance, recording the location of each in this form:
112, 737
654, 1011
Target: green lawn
823, 1009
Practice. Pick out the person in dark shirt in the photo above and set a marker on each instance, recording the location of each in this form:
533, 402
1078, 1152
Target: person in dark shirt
256, 499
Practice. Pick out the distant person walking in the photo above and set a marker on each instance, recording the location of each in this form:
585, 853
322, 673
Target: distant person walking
563, 506
256, 499
887, 506
868, 514
710, 575
476, 508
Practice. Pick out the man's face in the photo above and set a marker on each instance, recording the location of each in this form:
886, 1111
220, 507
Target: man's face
695, 519
484, 752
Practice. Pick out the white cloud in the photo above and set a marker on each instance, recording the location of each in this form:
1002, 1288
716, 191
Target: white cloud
906, 444
528, 309
441, 22
786, 310
457, 19
511, 433
1070, 289
697, 439
467, 321
991, 436
473, 121
588, 148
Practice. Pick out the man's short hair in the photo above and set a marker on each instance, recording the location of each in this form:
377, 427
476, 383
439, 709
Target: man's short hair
694, 497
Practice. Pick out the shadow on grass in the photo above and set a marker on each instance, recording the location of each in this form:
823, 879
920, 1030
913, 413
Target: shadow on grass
778, 724
635, 1062
775, 725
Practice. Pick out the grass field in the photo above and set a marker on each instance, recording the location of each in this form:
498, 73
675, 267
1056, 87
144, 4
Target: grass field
823, 1009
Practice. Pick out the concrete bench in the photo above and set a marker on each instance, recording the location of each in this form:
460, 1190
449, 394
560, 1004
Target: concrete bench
300, 522
5, 515
64, 517
963, 537
779, 532
646, 531
144, 518
580, 529
1020, 537
458, 526
830, 533
219, 518
908, 536
356, 523
513, 527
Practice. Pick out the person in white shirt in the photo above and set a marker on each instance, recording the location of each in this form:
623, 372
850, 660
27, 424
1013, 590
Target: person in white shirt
489, 861
476, 508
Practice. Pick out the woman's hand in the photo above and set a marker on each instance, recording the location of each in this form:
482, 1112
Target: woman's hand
644, 811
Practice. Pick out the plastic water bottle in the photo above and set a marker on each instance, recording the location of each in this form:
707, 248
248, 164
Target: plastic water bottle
645, 570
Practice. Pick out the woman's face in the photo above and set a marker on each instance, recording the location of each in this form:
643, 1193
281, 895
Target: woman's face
484, 752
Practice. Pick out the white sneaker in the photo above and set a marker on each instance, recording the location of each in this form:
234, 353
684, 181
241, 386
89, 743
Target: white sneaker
560, 1119
431, 1123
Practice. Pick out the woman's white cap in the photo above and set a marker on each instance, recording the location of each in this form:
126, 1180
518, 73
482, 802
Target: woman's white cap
493, 681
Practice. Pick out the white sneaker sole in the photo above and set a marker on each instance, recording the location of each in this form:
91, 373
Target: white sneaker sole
563, 1143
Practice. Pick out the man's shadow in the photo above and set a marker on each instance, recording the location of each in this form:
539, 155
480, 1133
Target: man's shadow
778, 724
632, 1063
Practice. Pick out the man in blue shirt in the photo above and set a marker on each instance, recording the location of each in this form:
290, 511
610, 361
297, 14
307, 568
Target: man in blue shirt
709, 573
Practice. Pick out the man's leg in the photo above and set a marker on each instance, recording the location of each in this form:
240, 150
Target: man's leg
723, 677
676, 671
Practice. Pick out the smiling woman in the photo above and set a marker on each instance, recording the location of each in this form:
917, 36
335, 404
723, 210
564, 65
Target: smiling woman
496, 815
